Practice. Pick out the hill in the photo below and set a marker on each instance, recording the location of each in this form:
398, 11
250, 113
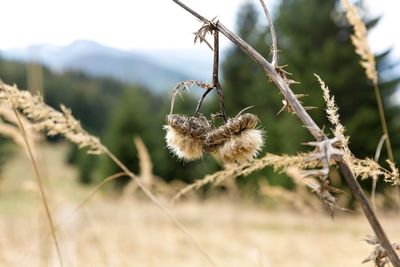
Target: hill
157, 70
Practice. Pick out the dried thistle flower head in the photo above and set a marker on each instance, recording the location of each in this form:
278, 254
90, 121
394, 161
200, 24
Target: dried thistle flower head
238, 140
186, 136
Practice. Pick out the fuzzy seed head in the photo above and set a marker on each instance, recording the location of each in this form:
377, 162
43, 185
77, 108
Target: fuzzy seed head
186, 136
242, 147
238, 140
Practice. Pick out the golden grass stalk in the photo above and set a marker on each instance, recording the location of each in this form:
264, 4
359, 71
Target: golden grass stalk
145, 164
39, 180
235, 170
360, 42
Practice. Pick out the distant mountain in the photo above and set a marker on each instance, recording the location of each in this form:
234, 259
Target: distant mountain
158, 70
196, 63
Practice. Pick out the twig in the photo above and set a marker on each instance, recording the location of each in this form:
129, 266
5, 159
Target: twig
309, 123
274, 48
215, 80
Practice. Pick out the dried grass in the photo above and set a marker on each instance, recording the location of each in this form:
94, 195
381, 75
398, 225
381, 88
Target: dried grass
45, 118
9, 128
360, 41
279, 163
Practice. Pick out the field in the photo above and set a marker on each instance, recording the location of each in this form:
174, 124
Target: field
108, 231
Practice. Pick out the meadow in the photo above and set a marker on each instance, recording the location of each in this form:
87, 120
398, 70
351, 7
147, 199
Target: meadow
110, 231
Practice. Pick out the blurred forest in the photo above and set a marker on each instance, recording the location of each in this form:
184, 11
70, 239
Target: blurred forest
313, 38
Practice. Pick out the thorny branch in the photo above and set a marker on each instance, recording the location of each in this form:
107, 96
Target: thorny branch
200, 36
309, 123
215, 78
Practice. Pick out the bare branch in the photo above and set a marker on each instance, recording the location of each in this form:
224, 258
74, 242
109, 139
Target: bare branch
274, 48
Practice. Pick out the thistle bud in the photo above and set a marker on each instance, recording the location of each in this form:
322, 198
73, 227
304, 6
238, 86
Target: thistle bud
236, 141
186, 135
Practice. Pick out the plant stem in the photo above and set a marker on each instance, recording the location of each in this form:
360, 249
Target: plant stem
369, 213
215, 80
310, 125
274, 48
40, 185
386, 134
383, 122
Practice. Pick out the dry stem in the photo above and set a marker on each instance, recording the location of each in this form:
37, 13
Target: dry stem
41, 187
274, 48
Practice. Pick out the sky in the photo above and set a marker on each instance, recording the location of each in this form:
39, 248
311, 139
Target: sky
151, 24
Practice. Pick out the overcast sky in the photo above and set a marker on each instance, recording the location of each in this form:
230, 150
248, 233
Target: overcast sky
130, 24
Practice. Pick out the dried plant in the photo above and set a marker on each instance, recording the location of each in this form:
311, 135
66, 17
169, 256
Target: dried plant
279, 163
29, 145
327, 150
145, 164
45, 118
186, 136
333, 117
185, 86
9, 128
236, 141
360, 42
189, 137
369, 168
